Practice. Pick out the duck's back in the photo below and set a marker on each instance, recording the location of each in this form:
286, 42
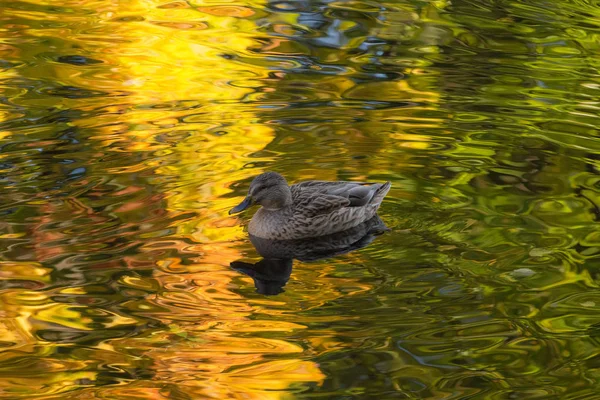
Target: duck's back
322, 208
357, 193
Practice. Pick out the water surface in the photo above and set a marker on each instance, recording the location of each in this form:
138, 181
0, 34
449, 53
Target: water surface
128, 129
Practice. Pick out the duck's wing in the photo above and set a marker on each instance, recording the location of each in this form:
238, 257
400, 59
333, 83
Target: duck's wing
310, 204
357, 193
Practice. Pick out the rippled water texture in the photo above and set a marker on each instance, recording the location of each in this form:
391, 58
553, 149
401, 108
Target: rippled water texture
128, 129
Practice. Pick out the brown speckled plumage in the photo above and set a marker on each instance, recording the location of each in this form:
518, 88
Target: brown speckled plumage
311, 208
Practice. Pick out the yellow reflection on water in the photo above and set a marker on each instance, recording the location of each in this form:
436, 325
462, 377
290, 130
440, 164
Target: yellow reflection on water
144, 57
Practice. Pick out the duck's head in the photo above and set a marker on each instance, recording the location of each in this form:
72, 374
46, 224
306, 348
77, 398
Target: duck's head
270, 190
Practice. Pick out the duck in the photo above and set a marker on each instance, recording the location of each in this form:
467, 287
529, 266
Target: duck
309, 209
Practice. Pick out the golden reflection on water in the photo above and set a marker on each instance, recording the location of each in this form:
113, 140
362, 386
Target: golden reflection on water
153, 53
129, 128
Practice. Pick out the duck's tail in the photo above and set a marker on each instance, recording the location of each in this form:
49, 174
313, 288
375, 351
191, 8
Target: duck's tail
380, 193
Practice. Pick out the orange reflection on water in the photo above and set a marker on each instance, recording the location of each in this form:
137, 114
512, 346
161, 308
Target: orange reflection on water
139, 299
206, 351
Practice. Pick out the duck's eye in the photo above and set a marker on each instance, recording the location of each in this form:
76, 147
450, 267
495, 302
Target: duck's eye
255, 190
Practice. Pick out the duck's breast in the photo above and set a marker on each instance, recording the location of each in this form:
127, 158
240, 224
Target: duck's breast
270, 225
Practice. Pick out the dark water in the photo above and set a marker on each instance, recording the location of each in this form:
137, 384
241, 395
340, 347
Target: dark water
129, 128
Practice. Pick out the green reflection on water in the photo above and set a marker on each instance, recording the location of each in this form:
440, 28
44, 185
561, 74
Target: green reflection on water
128, 129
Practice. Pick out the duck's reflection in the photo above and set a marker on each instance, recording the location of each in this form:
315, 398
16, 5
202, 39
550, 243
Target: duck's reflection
272, 273
269, 274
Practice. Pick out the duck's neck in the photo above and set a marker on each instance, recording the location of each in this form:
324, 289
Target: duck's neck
283, 211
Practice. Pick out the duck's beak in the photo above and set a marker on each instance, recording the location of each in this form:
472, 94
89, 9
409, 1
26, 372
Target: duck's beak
242, 206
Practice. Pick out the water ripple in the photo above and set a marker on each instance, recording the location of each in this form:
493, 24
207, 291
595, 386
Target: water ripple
128, 130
